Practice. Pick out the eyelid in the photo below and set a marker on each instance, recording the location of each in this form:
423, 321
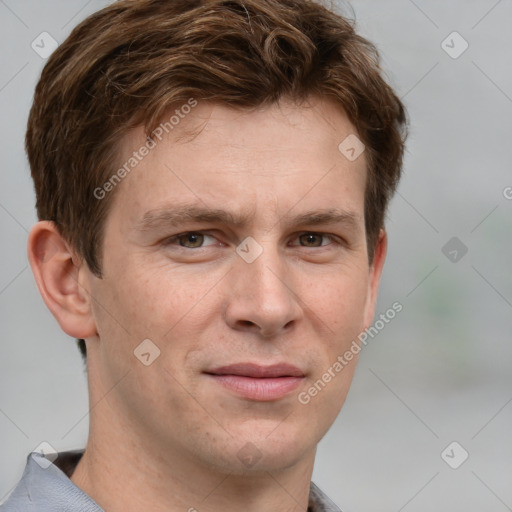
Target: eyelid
172, 240
334, 238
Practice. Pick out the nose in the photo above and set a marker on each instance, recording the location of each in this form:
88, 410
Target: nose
261, 296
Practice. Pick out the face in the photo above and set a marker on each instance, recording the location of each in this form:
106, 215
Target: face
242, 246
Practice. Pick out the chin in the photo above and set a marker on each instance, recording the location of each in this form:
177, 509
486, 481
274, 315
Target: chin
267, 452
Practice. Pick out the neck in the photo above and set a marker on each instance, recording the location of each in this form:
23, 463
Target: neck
122, 478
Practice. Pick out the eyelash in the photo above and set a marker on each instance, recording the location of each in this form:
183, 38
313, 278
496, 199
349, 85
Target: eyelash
174, 239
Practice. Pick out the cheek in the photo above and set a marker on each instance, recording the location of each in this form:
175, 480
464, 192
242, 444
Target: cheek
340, 306
150, 302
339, 301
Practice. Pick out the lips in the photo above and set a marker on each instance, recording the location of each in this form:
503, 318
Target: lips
258, 372
259, 383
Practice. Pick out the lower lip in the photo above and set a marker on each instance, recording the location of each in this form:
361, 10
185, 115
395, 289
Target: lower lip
261, 389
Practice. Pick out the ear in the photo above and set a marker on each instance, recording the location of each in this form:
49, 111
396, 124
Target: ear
379, 257
59, 275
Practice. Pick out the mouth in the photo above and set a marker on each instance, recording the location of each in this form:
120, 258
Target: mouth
256, 382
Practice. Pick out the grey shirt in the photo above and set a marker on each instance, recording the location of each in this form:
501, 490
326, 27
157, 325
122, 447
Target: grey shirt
45, 487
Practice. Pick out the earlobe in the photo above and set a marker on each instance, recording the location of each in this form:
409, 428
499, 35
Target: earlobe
374, 278
57, 273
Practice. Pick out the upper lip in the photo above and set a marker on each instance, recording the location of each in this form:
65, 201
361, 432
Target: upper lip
258, 371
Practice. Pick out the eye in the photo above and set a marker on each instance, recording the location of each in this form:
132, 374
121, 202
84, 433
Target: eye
314, 239
189, 240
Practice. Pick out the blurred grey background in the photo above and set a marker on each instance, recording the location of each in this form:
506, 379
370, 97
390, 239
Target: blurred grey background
439, 372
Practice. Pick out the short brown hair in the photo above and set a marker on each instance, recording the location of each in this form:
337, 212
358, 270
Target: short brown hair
127, 64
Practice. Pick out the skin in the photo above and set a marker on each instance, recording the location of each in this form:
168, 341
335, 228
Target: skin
165, 436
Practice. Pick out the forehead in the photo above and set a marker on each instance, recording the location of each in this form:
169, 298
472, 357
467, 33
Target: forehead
263, 161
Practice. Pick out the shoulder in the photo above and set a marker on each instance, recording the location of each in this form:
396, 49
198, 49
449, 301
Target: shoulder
46, 487
320, 502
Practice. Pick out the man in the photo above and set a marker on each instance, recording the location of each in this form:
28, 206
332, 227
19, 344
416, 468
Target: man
212, 178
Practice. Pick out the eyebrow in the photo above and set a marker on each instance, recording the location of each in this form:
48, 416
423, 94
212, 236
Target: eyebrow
191, 213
